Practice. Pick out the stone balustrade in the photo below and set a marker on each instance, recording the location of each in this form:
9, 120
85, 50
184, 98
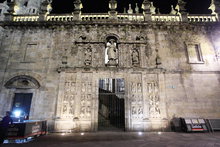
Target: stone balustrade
131, 17
60, 18
202, 18
94, 17
19, 18
120, 17
162, 17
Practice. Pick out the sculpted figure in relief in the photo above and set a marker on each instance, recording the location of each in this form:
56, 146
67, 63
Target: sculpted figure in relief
135, 57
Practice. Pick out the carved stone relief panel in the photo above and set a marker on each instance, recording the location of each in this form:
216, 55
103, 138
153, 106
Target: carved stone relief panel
88, 56
135, 57
136, 96
154, 99
68, 102
86, 96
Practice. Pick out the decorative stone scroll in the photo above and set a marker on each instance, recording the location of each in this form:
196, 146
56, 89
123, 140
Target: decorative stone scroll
86, 96
154, 100
68, 102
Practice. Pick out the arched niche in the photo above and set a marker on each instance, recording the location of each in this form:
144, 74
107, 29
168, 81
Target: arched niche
22, 82
111, 50
111, 36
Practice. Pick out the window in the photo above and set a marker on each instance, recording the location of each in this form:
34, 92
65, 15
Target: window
0, 11
194, 53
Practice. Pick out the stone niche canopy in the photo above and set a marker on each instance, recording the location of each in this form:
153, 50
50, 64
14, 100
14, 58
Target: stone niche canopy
22, 82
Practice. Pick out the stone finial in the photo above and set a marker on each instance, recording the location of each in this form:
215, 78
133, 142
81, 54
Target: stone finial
182, 5
158, 10
152, 8
212, 7
177, 8
173, 11
78, 5
112, 5
217, 6
146, 10
130, 10
146, 6
11, 4
11, 10
125, 11
46, 7
113, 13
182, 10
136, 8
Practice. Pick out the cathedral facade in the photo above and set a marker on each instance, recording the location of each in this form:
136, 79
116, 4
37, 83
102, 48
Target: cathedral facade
86, 72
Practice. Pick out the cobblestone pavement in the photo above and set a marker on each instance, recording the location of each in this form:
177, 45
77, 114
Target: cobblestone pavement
124, 139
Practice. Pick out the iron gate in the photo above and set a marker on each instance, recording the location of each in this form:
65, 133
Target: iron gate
111, 104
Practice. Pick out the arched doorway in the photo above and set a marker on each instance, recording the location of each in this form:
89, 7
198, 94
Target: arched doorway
23, 87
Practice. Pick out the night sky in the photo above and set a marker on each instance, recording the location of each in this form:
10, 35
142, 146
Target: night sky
101, 6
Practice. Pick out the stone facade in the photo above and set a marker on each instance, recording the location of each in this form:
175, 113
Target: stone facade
170, 70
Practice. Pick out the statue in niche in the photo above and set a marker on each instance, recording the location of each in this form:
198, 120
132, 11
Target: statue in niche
88, 56
112, 52
135, 57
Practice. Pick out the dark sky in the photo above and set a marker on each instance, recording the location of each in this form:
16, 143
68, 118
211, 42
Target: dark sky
100, 6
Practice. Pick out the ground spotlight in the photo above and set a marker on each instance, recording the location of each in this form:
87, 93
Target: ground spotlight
140, 133
159, 133
82, 134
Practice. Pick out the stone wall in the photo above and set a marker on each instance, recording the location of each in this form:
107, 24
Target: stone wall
163, 77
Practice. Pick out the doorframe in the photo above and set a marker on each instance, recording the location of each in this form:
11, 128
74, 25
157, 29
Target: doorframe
34, 92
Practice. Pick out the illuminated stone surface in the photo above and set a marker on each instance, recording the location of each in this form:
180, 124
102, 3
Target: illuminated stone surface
175, 74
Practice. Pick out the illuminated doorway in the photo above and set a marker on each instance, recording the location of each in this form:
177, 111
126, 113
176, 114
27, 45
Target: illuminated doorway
22, 104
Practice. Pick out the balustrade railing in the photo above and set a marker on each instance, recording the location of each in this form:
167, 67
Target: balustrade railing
19, 18
59, 18
162, 17
202, 18
131, 17
94, 17
120, 17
